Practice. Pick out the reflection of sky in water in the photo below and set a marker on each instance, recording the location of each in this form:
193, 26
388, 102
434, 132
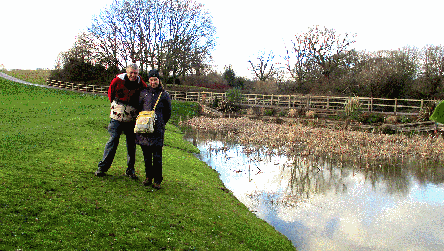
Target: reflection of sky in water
331, 208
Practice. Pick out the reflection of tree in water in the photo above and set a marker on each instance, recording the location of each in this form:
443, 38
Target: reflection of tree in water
429, 172
310, 175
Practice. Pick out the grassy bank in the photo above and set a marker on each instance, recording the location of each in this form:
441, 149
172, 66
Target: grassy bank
52, 141
32, 76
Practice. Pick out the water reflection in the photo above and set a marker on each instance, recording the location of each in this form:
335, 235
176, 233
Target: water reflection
321, 204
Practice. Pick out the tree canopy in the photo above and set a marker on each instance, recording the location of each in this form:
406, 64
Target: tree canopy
174, 36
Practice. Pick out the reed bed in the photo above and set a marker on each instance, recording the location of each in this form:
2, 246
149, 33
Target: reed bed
296, 139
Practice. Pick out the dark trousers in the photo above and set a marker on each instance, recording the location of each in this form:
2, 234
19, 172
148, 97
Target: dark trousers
115, 129
153, 162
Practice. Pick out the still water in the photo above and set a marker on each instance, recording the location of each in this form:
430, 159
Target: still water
322, 205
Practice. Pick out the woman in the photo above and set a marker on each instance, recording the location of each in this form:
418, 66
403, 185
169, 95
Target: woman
152, 143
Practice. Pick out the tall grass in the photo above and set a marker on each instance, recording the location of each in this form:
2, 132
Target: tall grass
52, 141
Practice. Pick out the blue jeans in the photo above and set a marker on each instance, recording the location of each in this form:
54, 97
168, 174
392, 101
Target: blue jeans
115, 129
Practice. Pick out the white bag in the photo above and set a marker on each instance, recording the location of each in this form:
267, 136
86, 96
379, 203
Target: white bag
122, 112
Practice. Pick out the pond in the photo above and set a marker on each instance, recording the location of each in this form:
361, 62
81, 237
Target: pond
321, 204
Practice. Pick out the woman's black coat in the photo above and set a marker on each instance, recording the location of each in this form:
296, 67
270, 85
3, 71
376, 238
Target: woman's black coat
147, 100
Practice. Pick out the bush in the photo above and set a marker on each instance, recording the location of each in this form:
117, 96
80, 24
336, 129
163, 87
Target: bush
427, 110
228, 106
76, 70
375, 118
215, 103
352, 105
211, 81
269, 112
405, 119
234, 95
310, 114
386, 129
283, 114
391, 120
250, 111
292, 113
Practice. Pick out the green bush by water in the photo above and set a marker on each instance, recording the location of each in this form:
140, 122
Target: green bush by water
52, 141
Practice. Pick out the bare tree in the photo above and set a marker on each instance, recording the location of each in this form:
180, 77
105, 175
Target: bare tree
317, 51
264, 68
298, 62
175, 36
433, 61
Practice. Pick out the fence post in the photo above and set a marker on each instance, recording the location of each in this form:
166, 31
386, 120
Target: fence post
308, 102
328, 103
289, 101
271, 99
371, 104
422, 104
396, 103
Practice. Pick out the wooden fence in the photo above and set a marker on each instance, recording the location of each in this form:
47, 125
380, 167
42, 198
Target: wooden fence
77, 86
308, 102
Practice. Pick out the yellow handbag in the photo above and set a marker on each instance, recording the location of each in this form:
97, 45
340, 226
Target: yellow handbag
146, 119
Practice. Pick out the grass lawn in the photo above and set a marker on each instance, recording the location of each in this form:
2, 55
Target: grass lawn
52, 141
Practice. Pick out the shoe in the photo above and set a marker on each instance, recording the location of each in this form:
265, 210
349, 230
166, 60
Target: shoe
147, 182
156, 186
99, 174
133, 176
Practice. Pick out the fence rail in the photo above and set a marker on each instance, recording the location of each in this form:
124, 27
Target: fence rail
308, 102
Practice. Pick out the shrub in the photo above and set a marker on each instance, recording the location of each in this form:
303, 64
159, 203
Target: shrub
262, 111
391, 120
228, 106
292, 113
366, 117
427, 110
283, 114
269, 112
356, 115
234, 95
405, 119
250, 111
310, 114
352, 105
211, 80
375, 118
215, 103
386, 129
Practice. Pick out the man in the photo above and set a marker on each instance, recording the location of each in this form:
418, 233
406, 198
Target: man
123, 93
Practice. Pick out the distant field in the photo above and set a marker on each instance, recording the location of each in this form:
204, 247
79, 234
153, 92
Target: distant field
32, 76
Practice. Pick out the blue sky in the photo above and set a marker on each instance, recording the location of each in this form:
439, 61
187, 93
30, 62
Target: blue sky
34, 32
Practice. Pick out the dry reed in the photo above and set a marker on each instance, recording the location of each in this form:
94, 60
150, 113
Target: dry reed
303, 140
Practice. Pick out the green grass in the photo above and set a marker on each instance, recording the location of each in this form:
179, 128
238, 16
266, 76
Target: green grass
52, 141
